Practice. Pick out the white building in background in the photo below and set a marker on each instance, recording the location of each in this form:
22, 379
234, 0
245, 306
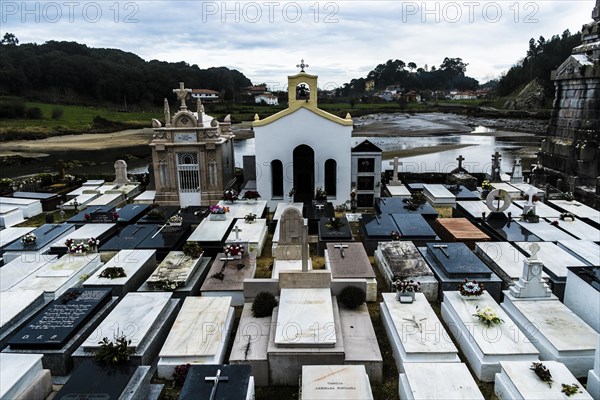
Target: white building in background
205, 95
268, 98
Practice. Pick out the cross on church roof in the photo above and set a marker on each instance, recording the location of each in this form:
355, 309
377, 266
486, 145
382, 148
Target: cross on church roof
302, 65
182, 93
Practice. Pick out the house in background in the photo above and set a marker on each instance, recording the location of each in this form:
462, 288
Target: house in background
268, 98
205, 95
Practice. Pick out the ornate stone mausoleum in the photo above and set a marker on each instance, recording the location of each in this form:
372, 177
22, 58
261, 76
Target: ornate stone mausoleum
192, 156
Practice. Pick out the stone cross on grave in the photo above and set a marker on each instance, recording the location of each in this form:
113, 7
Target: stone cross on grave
395, 164
460, 160
302, 65
182, 93
216, 379
341, 247
530, 193
534, 249
442, 248
237, 231
495, 175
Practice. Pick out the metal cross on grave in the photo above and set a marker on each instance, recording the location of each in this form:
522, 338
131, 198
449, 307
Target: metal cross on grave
341, 247
395, 164
496, 158
442, 248
182, 93
302, 65
460, 160
216, 379
237, 231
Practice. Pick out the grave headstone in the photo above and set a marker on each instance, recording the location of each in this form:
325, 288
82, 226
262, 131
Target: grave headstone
164, 239
176, 269
17, 307
211, 235
496, 167
415, 228
374, 229
121, 173
20, 268
530, 284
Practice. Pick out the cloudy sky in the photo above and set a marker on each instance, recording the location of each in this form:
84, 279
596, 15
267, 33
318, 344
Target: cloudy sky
340, 40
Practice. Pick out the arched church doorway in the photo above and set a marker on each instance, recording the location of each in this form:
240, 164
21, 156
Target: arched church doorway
304, 173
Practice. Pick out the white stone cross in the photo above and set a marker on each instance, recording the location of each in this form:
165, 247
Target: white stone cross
237, 231
216, 379
319, 206
341, 247
531, 192
395, 164
304, 250
182, 93
534, 249
442, 247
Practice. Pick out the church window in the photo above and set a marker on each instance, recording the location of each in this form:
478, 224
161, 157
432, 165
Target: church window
331, 177
276, 178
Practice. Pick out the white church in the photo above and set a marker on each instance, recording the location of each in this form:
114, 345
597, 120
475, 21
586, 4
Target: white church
303, 148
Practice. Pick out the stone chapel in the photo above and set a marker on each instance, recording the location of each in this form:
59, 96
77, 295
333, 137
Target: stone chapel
192, 156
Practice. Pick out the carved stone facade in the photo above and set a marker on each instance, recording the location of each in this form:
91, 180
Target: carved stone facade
192, 156
572, 146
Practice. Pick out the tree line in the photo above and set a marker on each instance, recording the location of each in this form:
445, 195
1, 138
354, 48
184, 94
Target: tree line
72, 72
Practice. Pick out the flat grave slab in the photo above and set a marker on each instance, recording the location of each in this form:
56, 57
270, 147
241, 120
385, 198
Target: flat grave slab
396, 205
60, 327
512, 191
345, 382
398, 191
438, 195
409, 326
101, 232
131, 213
330, 234
55, 277
10, 215
474, 210
85, 215
544, 322
349, 261
129, 237
402, 260
315, 211
137, 266
146, 197
582, 294
545, 231
585, 250
578, 209
211, 235
20, 268
516, 380
17, 307
255, 234
226, 278
541, 210
21, 373
164, 239
239, 209
200, 334
29, 207
504, 259
460, 230
484, 355
10, 235
159, 215
199, 383
305, 308
45, 235
176, 268
129, 190
144, 318
79, 191
280, 266
415, 228
376, 228
462, 193
125, 381
94, 182
107, 199
80, 202
106, 187
453, 382
452, 263
578, 228
508, 231
50, 201
556, 261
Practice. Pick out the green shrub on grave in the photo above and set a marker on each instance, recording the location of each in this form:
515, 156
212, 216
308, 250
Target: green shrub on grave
352, 296
263, 305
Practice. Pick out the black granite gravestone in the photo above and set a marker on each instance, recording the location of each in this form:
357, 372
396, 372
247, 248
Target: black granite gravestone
165, 239
376, 228
45, 234
334, 233
50, 201
86, 215
103, 217
53, 326
232, 383
316, 210
414, 227
129, 237
508, 231
396, 205
159, 215
462, 193
95, 381
130, 213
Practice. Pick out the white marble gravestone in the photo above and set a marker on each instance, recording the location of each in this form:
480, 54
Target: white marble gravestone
200, 334
415, 332
17, 270
255, 234
512, 191
553, 257
448, 381
239, 209
211, 231
146, 197
10, 215
176, 267
582, 295
531, 284
438, 195
107, 199
578, 209
586, 250
23, 377
82, 201
85, 232
59, 275
545, 231
137, 265
516, 380
593, 385
9, 235
121, 172
484, 347
504, 259
29, 207
17, 307
282, 207
342, 382
579, 229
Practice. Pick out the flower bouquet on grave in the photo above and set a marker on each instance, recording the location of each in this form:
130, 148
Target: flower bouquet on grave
334, 223
93, 243
217, 212
234, 251
155, 214
488, 316
406, 288
395, 235
230, 195
250, 218
175, 220
113, 273
115, 216
531, 217
470, 289
542, 372
251, 195
77, 247
320, 194
29, 238
87, 217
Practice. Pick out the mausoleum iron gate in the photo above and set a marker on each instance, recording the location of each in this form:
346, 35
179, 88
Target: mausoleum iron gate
188, 175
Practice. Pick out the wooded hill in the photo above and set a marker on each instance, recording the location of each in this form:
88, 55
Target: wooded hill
75, 73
